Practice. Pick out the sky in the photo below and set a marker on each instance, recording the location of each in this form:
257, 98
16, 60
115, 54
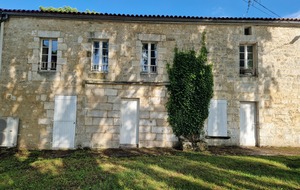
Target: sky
207, 8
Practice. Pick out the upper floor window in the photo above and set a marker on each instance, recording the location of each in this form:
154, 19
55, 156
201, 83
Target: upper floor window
247, 31
48, 54
247, 60
149, 58
100, 56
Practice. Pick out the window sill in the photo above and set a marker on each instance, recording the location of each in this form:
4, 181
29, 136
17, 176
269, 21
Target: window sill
47, 71
243, 75
217, 137
147, 73
104, 72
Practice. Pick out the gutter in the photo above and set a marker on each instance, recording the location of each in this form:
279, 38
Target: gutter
3, 18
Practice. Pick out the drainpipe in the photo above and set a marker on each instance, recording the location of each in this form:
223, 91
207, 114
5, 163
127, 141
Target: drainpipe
3, 18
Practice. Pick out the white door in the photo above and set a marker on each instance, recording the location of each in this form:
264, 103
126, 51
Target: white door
129, 122
247, 124
64, 122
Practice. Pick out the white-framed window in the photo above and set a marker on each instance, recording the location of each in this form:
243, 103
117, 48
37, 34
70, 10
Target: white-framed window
48, 61
100, 56
247, 60
149, 58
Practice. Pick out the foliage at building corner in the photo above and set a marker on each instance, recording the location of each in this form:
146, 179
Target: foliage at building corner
190, 91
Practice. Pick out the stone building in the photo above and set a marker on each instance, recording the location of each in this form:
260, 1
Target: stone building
74, 80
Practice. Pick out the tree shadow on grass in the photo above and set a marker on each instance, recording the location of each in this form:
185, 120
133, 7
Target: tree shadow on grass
54, 170
265, 171
86, 169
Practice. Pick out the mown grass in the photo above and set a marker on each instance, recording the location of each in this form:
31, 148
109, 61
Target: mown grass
85, 169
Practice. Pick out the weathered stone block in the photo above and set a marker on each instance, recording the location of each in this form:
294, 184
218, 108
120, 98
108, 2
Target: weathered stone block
144, 114
147, 137
145, 129
161, 130
146, 122
44, 121
102, 121
96, 113
110, 92
50, 114
114, 114
88, 121
158, 115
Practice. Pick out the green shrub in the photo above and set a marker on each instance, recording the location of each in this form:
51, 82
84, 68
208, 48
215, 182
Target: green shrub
190, 91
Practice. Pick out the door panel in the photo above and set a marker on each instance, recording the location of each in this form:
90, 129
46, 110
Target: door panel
129, 122
247, 124
64, 122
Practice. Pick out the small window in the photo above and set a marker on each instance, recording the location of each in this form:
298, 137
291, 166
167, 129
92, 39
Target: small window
100, 56
247, 60
248, 31
149, 58
48, 60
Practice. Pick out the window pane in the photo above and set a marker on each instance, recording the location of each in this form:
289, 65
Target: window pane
153, 47
96, 60
54, 59
250, 64
44, 58
242, 49
242, 63
96, 44
249, 49
153, 53
250, 56
105, 45
104, 52
54, 46
145, 54
145, 61
105, 60
242, 56
153, 61
96, 52
46, 43
145, 47
153, 69
45, 51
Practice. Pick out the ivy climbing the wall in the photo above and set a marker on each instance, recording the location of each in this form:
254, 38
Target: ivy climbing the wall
190, 91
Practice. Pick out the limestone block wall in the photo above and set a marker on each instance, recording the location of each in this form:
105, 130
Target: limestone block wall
29, 94
102, 116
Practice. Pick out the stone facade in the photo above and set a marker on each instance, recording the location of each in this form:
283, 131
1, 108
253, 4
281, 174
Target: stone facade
29, 94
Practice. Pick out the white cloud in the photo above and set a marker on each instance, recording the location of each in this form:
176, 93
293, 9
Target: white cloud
293, 15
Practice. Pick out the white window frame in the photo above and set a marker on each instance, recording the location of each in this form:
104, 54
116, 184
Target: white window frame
246, 69
149, 68
100, 66
50, 65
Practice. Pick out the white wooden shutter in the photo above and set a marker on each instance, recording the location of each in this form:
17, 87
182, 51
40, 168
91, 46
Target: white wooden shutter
129, 122
217, 119
64, 122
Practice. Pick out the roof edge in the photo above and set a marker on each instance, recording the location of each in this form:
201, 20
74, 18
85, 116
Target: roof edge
132, 17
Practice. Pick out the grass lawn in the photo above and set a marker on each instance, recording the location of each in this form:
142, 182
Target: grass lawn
86, 169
